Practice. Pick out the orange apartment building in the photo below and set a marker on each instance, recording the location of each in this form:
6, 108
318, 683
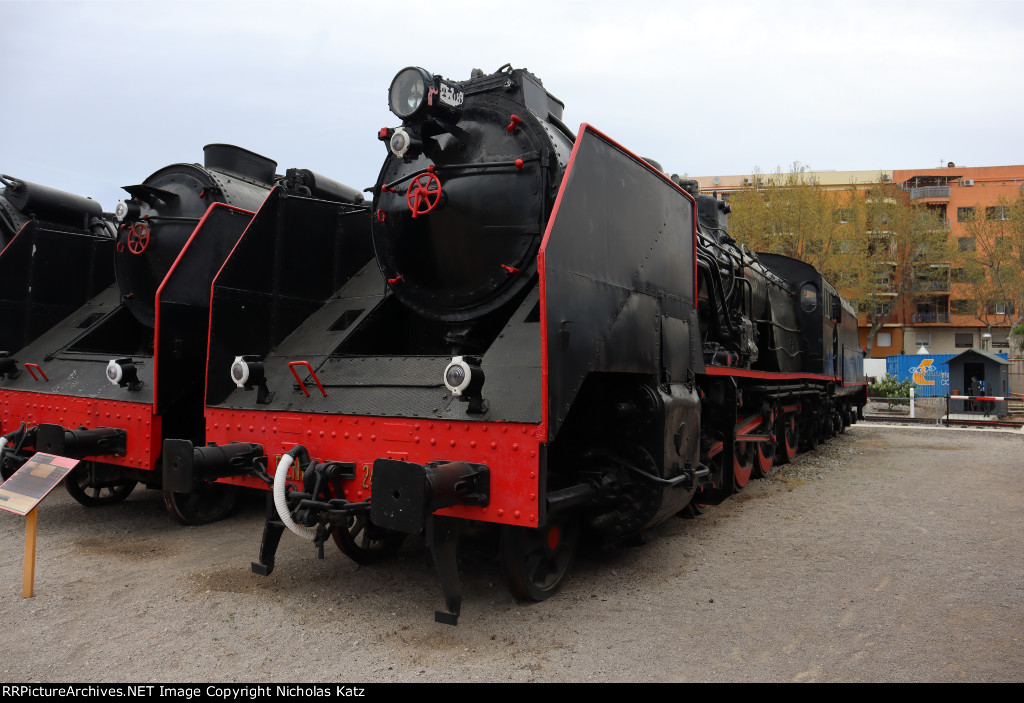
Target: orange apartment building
939, 315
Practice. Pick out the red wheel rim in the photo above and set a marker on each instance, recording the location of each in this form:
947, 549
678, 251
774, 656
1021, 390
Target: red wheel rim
743, 463
789, 435
764, 457
554, 537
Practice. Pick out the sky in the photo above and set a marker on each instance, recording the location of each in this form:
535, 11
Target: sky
95, 95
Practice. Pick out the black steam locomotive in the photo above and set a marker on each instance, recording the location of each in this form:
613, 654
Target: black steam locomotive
113, 330
535, 329
65, 242
24, 203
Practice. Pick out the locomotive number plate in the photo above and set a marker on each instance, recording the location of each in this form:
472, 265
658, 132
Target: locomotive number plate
450, 95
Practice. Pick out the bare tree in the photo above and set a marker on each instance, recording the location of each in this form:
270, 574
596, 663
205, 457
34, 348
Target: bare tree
993, 264
874, 246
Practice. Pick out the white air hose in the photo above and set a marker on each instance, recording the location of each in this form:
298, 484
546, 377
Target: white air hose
281, 502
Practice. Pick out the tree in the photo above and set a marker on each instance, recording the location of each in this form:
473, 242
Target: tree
872, 244
993, 263
789, 214
899, 245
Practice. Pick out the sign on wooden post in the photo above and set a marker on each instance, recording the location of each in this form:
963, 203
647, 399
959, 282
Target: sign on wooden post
23, 492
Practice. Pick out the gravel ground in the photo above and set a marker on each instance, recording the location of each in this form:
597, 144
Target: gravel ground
890, 554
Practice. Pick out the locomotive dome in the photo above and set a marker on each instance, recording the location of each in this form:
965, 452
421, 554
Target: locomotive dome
464, 193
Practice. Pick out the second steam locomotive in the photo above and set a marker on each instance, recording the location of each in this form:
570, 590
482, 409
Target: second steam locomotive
532, 328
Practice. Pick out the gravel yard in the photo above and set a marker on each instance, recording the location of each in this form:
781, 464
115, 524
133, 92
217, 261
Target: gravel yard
890, 554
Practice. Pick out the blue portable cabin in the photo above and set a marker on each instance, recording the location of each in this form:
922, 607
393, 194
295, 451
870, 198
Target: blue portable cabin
926, 371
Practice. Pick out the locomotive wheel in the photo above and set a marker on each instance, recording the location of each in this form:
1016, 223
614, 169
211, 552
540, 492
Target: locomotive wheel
208, 502
764, 459
787, 437
815, 435
534, 562
743, 462
764, 454
79, 485
365, 543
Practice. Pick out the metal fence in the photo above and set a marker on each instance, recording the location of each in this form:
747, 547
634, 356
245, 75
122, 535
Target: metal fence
999, 411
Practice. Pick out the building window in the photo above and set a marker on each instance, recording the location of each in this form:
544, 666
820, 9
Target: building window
923, 339
959, 275
964, 340
963, 307
1000, 341
883, 339
997, 212
964, 214
966, 243
1002, 308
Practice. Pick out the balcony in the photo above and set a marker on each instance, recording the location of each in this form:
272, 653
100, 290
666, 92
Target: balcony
932, 192
930, 318
931, 286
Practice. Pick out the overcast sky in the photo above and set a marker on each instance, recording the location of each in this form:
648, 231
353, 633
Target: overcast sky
97, 95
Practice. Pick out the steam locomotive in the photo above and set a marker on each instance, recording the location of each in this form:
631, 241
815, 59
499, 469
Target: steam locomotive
535, 329
112, 330
25, 203
50, 222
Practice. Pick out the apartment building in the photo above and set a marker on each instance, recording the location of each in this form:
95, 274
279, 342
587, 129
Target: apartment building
939, 315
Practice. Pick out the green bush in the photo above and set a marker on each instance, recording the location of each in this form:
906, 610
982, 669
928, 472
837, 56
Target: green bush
889, 387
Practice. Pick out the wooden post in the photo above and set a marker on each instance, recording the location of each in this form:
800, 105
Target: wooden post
30, 553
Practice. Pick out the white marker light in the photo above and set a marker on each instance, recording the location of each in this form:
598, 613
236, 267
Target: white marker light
239, 372
457, 376
114, 372
400, 142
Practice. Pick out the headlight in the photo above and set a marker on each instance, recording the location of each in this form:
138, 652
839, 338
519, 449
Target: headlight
247, 372
400, 142
114, 372
409, 91
124, 373
457, 376
127, 210
240, 372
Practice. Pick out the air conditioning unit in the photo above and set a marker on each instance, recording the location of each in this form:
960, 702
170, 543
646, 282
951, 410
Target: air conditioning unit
968, 181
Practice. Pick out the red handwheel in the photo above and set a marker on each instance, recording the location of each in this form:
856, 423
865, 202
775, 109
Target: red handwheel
138, 238
423, 194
